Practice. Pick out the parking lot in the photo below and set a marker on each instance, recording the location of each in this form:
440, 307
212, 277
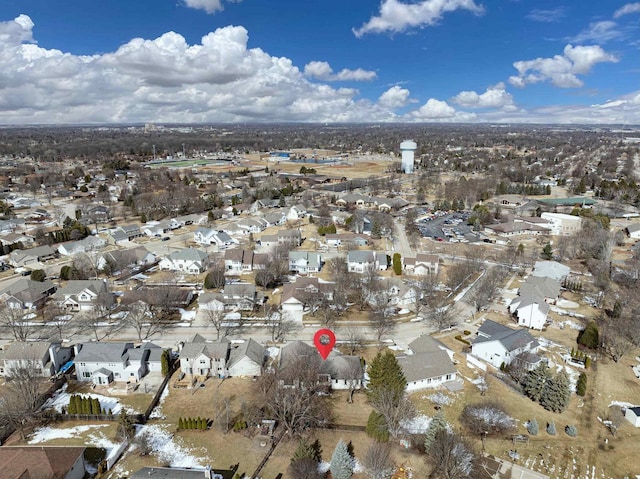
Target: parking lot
450, 227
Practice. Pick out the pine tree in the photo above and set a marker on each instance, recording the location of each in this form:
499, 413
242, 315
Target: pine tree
385, 373
304, 450
180, 424
532, 427
377, 427
95, 406
581, 386
534, 382
437, 424
71, 409
551, 428
341, 462
86, 405
557, 393
126, 428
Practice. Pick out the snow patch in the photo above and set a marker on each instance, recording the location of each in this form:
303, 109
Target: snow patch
61, 398
164, 445
157, 411
187, 315
417, 425
46, 434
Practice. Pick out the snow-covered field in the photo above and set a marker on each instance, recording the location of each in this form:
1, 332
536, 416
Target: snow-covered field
46, 434
166, 448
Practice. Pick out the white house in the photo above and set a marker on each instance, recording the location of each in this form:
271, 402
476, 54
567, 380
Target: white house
633, 230
246, 359
497, 344
304, 262
188, 260
84, 295
209, 236
199, 357
529, 311
429, 364
296, 212
252, 225
45, 357
90, 243
563, 224
363, 261
423, 264
102, 363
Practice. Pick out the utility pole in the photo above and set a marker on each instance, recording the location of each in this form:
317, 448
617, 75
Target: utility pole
183, 154
154, 151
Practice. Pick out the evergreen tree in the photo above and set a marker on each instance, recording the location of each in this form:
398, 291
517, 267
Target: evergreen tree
532, 427
551, 428
397, 264
589, 337
306, 451
86, 405
71, 409
557, 393
385, 373
581, 386
534, 382
377, 427
437, 424
180, 424
126, 428
341, 462
95, 406
165, 359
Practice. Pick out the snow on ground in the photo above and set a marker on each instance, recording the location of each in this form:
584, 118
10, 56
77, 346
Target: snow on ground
404, 311
567, 323
417, 425
164, 446
61, 399
323, 467
187, 315
273, 352
565, 303
157, 411
45, 434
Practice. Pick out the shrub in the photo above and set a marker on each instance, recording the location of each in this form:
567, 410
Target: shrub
551, 428
532, 427
581, 386
589, 337
462, 340
38, 275
571, 430
466, 332
397, 264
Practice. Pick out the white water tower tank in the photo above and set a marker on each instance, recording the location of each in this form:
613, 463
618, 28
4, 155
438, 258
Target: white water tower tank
407, 148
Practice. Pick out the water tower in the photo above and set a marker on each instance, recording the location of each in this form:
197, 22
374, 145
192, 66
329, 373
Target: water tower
407, 148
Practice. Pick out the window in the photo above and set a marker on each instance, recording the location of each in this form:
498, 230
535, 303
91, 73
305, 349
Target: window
86, 374
449, 376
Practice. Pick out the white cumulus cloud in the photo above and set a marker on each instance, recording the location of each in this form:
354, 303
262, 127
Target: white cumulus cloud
394, 97
561, 70
396, 16
434, 109
627, 9
323, 71
209, 6
494, 97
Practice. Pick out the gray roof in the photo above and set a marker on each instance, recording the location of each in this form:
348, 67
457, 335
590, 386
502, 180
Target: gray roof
171, 473
294, 350
339, 366
189, 254
213, 350
103, 352
511, 339
522, 301
536, 286
250, 349
426, 365
360, 256
31, 350
76, 286
550, 269
426, 344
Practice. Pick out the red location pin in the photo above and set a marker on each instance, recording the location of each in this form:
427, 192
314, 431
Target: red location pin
325, 340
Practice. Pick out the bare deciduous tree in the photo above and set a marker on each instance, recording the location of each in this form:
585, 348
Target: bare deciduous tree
12, 322
142, 320
395, 411
377, 461
353, 339
451, 456
21, 403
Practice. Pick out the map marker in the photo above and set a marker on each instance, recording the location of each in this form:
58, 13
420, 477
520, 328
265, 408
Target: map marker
325, 340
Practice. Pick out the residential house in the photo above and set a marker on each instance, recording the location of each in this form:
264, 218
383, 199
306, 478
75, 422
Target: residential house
118, 260
423, 264
188, 260
102, 363
529, 311
209, 236
296, 212
498, 344
190, 219
90, 243
17, 239
157, 228
363, 261
350, 240
27, 294
551, 269
291, 238
45, 357
26, 257
124, 233
401, 294
295, 296
252, 225
304, 262
563, 224
199, 357
337, 371
547, 289
238, 261
246, 359
210, 302
84, 295
31, 462
275, 218
241, 296
429, 364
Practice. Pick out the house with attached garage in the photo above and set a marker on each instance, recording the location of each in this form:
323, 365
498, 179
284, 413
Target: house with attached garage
428, 364
27, 294
188, 260
296, 296
238, 261
304, 262
422, 265
241, 296
497, 344
84, 295
199, 357
26, 257
102, 363
246, 359
363, 261
45, 357
529, 311
209, 236
90, 243
117, 260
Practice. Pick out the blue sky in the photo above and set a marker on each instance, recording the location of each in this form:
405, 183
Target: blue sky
118, 61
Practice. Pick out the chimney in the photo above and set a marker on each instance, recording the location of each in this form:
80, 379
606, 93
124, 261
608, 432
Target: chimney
207, 472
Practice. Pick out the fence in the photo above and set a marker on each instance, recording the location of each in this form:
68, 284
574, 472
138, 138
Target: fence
137, 418
115, 454
158, 395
